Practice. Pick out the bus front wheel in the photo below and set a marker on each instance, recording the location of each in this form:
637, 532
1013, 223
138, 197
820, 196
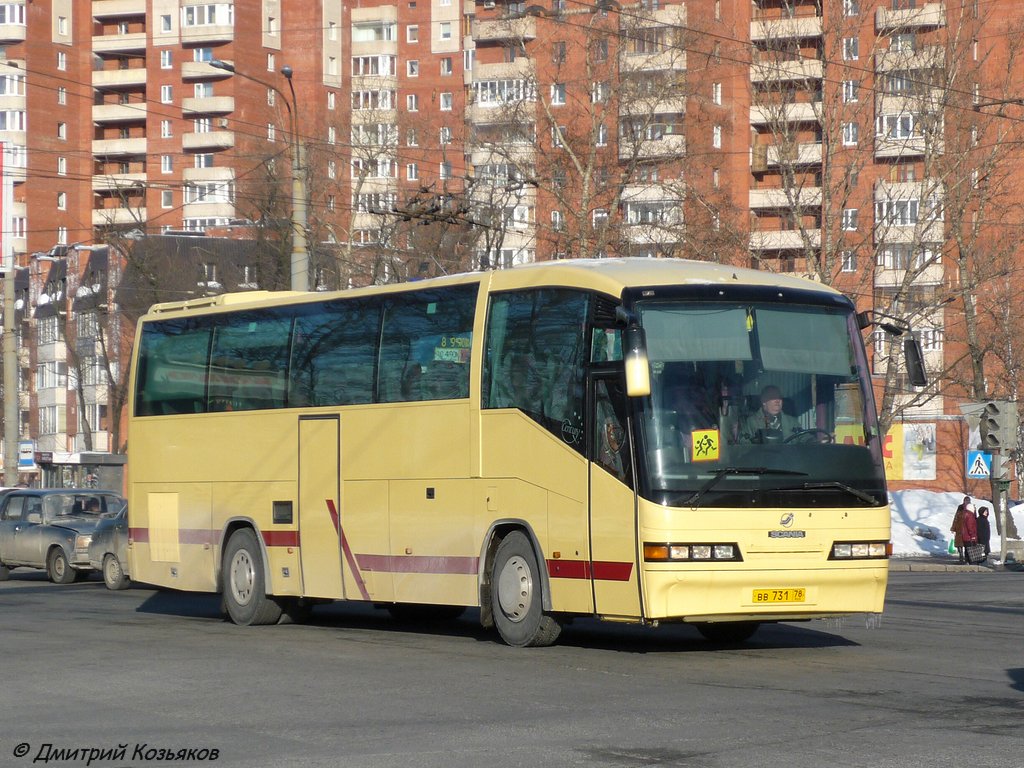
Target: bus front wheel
243, 582
516, 595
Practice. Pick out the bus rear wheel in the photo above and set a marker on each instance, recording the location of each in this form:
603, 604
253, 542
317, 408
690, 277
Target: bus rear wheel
243, 582
516, 595
728, 632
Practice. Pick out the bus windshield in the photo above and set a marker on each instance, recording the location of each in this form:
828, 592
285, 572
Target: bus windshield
757, 405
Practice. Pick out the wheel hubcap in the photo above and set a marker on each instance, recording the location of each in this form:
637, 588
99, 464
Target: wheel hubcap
515, 589
113, 570
58, 567
243, 576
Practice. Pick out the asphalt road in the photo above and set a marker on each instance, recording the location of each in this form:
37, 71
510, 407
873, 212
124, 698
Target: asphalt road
940, 682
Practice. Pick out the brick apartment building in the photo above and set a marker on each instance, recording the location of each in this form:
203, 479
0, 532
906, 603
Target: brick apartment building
866, 144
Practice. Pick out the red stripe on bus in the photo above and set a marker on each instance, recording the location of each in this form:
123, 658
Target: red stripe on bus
601, 570
138, 534
347, 550
281, 538
419, 564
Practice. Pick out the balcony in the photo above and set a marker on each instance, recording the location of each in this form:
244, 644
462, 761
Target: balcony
208, 34
663, 61
105, 217
113, 9
929, 57
520, 69
208, 174
201, 70
11, 34
765, 156
669, 104
375, 47
132, 41
913, 146
671, 16
782, 71
117, 181
118, 113
932, 274
505, 29
928, 15
801, 28
119, 147
208, 140
778, 199
205, 210
785, 240
208, 105
667, 146
119, 78
801, 112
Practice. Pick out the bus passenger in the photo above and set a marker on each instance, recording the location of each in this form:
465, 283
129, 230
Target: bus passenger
768, 424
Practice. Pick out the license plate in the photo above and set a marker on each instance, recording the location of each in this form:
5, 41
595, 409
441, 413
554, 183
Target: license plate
790, 595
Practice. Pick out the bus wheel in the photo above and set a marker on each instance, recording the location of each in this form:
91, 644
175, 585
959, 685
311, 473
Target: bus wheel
728, 632
516, 595
58, 568
113, 575
243, 582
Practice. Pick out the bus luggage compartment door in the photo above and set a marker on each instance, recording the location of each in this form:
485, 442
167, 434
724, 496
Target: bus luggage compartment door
319, 506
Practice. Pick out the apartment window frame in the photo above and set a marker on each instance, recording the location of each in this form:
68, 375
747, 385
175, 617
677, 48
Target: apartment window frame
848, 219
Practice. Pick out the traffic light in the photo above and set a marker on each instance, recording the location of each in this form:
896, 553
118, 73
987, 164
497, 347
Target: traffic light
998, 426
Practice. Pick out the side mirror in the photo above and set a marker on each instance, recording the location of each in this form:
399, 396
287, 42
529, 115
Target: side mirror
634, 355
914, 358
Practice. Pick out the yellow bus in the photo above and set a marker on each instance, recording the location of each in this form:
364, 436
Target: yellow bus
636, 440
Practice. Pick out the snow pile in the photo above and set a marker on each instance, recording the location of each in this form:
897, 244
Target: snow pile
921, 520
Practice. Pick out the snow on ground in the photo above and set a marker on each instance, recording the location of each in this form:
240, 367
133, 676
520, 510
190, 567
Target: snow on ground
921, 520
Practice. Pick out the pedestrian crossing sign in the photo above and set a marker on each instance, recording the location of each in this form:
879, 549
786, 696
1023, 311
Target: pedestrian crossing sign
978, 465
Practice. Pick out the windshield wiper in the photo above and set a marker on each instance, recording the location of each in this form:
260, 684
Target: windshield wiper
726, 471
867, 498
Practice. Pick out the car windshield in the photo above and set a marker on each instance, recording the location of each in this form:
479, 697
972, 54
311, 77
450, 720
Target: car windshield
756, 404
72, 505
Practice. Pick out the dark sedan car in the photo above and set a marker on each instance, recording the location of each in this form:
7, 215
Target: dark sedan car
108, 551
52, 529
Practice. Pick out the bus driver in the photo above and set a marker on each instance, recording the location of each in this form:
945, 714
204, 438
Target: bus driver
768, 424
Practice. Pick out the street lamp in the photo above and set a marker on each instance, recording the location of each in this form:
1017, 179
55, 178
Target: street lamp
300, 252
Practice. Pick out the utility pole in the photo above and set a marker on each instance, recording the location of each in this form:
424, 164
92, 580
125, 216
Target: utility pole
10, 358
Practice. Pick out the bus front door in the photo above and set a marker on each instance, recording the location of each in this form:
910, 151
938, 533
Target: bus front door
613, 520
319, 506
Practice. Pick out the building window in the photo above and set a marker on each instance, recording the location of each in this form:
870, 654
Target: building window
62, 201
446, 65
716, 93
851, 7
447, 100
412, 171
203, 90
332, 65
62, 61
330, 100
446, 134
445, 170
204, 160
166, 198
62, 235
849, 220
271, 132
849, 261
166, 94
332, 134
851, 132
165, 59
412, 102
850, 89
412, 68
332, 169
412, 33
166, 163
851, 48
62, 94
600, 218
202, 54
411, 138
62, 130
557, 94
62, 166
165, 23
716, 137
270, 62
165, 129
602, 135
446, 30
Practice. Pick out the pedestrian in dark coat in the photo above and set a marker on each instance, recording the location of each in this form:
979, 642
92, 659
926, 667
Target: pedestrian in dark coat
984, 531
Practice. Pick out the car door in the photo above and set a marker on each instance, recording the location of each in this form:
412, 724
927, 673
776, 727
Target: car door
10, 520
29, 534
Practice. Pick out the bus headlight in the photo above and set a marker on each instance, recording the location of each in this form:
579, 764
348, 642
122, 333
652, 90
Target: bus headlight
660, 553
860, 550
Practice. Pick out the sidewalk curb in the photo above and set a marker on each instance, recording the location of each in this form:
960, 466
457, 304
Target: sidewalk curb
917, 566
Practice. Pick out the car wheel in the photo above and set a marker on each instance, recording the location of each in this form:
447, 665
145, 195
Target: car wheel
113, 574
58, 568
516, 595
243, 582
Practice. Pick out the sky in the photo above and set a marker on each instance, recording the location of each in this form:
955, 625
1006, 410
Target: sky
921, 520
